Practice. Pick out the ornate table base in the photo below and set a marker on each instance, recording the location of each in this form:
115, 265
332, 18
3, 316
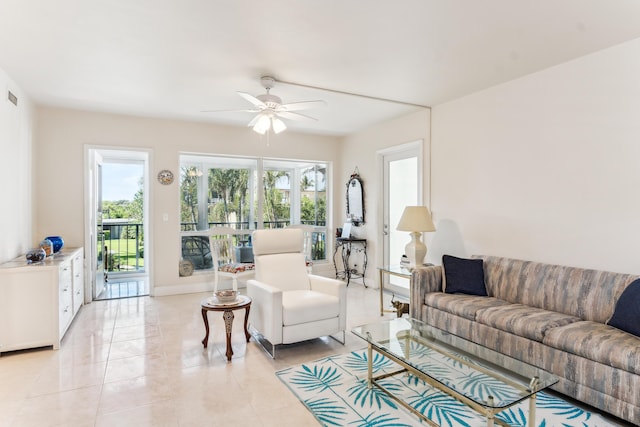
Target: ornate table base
210, 304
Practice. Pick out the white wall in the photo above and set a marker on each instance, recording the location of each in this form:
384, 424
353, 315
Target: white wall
62, 135
545, 167
16, 195
360, 150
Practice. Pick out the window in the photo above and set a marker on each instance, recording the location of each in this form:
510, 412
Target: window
226, 191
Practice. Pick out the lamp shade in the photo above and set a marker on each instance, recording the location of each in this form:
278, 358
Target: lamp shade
416, 218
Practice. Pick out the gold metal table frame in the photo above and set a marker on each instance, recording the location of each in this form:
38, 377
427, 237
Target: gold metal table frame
391, 270
425, 335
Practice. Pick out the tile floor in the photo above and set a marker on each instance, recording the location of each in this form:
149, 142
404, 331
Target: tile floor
125, 287
140, 362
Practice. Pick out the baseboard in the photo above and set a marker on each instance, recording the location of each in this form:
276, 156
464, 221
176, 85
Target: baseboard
191, 288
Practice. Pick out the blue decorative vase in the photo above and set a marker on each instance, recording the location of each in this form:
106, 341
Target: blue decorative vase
36, 255
57, 241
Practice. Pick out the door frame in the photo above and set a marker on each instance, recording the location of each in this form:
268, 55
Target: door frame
144, 154
422, 149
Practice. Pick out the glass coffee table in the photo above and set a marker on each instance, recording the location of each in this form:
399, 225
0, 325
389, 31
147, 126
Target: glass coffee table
483, 379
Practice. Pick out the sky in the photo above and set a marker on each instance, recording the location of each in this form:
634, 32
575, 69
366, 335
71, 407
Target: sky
120, 181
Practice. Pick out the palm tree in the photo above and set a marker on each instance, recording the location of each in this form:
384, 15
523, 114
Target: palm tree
189, 190
306, 182
272, 194
229, 185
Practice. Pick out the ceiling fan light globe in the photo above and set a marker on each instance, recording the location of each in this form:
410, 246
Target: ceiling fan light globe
278, 125
262, 125
259, 130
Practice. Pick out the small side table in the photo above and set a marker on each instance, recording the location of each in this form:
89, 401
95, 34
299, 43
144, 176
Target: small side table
391, 270
211, 304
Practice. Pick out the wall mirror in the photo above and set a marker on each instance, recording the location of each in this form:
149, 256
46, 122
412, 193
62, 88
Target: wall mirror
355, 200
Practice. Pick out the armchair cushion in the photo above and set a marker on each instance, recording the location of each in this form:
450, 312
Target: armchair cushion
286, 271
236, 267
308, 306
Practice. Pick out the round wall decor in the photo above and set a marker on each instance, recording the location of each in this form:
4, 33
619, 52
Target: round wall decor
186, 268
165, 177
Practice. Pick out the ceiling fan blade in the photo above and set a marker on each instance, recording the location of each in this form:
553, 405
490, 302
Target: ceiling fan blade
252, 99
294, 116
304, 105
246, 110
254, 120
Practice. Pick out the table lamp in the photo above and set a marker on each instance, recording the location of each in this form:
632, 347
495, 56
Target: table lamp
416, 219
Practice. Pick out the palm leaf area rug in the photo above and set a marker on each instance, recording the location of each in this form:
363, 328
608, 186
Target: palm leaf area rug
335, 390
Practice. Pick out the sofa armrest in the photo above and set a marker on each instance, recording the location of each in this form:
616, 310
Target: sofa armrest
424, 280
266, 310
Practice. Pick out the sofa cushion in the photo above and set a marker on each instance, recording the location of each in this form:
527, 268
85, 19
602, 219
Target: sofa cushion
463, 276
598, 342
308, 306
462, 305
580, 292
524, 321
626, 315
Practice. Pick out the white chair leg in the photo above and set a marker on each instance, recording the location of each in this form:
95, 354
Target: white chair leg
215, 283
235, 284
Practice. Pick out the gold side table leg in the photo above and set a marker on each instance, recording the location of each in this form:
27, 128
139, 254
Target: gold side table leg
532, 410
381, 292
533, 385
369, 365
490, 413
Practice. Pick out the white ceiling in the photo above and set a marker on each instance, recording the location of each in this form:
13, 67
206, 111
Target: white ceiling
173, 59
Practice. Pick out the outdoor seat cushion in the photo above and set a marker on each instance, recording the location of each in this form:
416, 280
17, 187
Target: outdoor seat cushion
302, 306
598, 342
524, 321
237, 267
461, 305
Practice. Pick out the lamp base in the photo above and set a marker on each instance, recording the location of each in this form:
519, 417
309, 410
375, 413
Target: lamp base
415, 250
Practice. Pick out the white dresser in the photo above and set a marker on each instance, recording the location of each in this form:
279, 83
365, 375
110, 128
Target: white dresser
39, 301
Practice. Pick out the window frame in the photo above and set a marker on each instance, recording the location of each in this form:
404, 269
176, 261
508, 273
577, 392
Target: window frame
257, 167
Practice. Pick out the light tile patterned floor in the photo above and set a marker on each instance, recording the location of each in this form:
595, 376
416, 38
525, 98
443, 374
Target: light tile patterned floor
124, 286
140, 362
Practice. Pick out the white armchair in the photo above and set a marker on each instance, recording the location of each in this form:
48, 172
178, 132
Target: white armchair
289, 305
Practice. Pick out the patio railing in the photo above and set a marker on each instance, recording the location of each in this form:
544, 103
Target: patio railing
124, 242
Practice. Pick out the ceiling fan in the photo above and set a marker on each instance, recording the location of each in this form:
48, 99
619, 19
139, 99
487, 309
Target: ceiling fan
271, 110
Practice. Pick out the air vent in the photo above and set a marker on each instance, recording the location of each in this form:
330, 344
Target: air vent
11, 97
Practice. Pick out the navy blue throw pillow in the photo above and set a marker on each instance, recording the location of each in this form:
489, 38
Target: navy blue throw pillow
626, 315
463, 276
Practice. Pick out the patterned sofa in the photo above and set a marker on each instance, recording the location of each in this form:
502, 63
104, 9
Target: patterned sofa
550, 316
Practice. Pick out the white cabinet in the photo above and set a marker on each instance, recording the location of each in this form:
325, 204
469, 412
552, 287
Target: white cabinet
39, 301
77, 269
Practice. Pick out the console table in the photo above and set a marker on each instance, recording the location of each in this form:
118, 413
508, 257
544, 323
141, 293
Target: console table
347, 246
39, 301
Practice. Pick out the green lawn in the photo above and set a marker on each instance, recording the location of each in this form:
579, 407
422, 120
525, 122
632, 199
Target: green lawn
121, 255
